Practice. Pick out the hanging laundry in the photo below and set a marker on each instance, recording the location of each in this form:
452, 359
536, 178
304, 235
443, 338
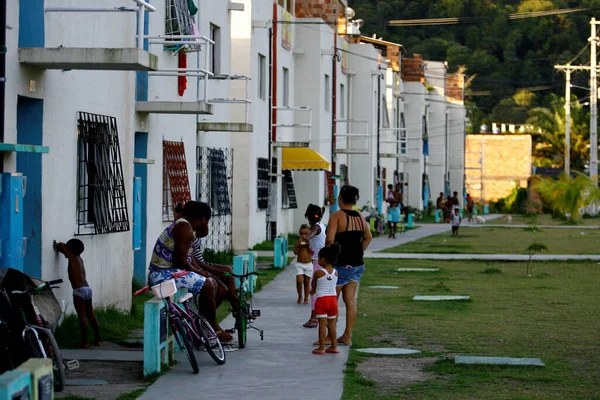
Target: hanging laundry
181, 79
192, 7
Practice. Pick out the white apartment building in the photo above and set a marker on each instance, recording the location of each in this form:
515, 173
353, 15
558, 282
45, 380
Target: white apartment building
232, 103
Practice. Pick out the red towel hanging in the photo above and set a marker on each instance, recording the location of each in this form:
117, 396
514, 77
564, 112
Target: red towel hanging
181, 79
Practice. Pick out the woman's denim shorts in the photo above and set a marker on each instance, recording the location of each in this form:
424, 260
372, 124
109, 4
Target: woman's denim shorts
348, 273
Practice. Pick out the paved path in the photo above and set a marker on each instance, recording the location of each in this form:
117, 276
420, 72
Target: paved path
484, 257
538, 226
280, 367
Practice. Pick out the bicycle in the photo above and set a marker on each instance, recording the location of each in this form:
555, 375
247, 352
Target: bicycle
245, 314
191, 329
37, 337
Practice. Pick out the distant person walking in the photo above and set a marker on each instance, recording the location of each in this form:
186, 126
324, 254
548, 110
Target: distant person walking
351, 231
470, 207
456, 220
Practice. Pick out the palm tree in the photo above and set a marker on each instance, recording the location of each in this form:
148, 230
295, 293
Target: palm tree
549, 134
568, 194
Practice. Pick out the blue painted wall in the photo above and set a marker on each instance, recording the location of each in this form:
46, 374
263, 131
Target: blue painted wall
31, 23
141, 171
30, 113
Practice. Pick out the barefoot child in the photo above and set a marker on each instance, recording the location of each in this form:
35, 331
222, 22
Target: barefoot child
324, 288
82, 293
316, 237
304, 264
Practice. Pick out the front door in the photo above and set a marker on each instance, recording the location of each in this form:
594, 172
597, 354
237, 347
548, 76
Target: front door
30, 117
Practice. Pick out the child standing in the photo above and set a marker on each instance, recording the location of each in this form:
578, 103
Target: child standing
324, 288
82, 293
316, 237
304, 264
393, 218
456, 219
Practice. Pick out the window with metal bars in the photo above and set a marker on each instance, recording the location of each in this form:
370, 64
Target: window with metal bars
402, 134
425, 136
262, 183
101, 200
176, 184
215, 177
344, 175
329, 184
288, 195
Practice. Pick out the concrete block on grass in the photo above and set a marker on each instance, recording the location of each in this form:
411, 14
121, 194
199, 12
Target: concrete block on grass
390, 351
417, 269
499, 361
441, 298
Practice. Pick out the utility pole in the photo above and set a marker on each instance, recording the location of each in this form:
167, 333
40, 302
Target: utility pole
568, 121
593, 106
567, 68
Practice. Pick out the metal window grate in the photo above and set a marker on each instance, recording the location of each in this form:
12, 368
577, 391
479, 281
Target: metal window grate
176, 185
215, 178
214, 185
101, 200
425, 137
262, 183
402, 134
289, 190
344, 175
329, 183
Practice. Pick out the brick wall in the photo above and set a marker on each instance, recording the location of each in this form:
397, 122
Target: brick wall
413, 69
328, 10
503, 159
455, 84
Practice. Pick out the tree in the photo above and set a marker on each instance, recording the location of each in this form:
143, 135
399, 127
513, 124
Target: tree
549, 134
568, 194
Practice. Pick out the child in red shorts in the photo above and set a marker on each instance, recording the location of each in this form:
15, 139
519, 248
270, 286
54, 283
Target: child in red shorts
324, 288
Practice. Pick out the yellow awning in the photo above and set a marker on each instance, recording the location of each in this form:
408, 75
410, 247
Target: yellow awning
303, 159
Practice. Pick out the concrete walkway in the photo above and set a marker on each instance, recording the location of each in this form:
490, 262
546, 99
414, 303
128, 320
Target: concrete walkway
280, 367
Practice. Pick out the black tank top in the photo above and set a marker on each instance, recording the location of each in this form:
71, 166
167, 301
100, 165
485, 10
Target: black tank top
350, 241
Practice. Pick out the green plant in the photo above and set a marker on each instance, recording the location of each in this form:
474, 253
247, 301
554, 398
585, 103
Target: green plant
567, 195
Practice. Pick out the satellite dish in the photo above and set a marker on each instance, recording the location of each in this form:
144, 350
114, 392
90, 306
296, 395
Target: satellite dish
350, 13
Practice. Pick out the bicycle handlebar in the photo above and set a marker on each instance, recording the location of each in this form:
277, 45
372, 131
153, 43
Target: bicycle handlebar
245, 275
175, 275
40, 288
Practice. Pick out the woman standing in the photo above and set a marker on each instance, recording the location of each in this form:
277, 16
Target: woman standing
351, 231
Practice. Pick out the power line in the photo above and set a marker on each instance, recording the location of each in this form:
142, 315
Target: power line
474, 20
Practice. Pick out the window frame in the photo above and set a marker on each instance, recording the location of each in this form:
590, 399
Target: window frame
262, 183
286, 87
262, 77
215, 49
342, 100
327, 97
101, 206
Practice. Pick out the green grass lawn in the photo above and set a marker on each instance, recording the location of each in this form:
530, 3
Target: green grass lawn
494, 240
269, 244
553, 315
117, 325
544, 219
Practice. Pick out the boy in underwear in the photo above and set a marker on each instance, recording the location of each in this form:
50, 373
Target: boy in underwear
82, 293
304, 265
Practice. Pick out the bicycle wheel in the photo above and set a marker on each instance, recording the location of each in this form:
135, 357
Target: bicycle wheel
183, 340
211, 341
32, 344
241, 324
54, 353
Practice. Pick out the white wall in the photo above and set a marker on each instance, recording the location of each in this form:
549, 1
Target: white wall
365, 75
414, 109
247, 42
109, 259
